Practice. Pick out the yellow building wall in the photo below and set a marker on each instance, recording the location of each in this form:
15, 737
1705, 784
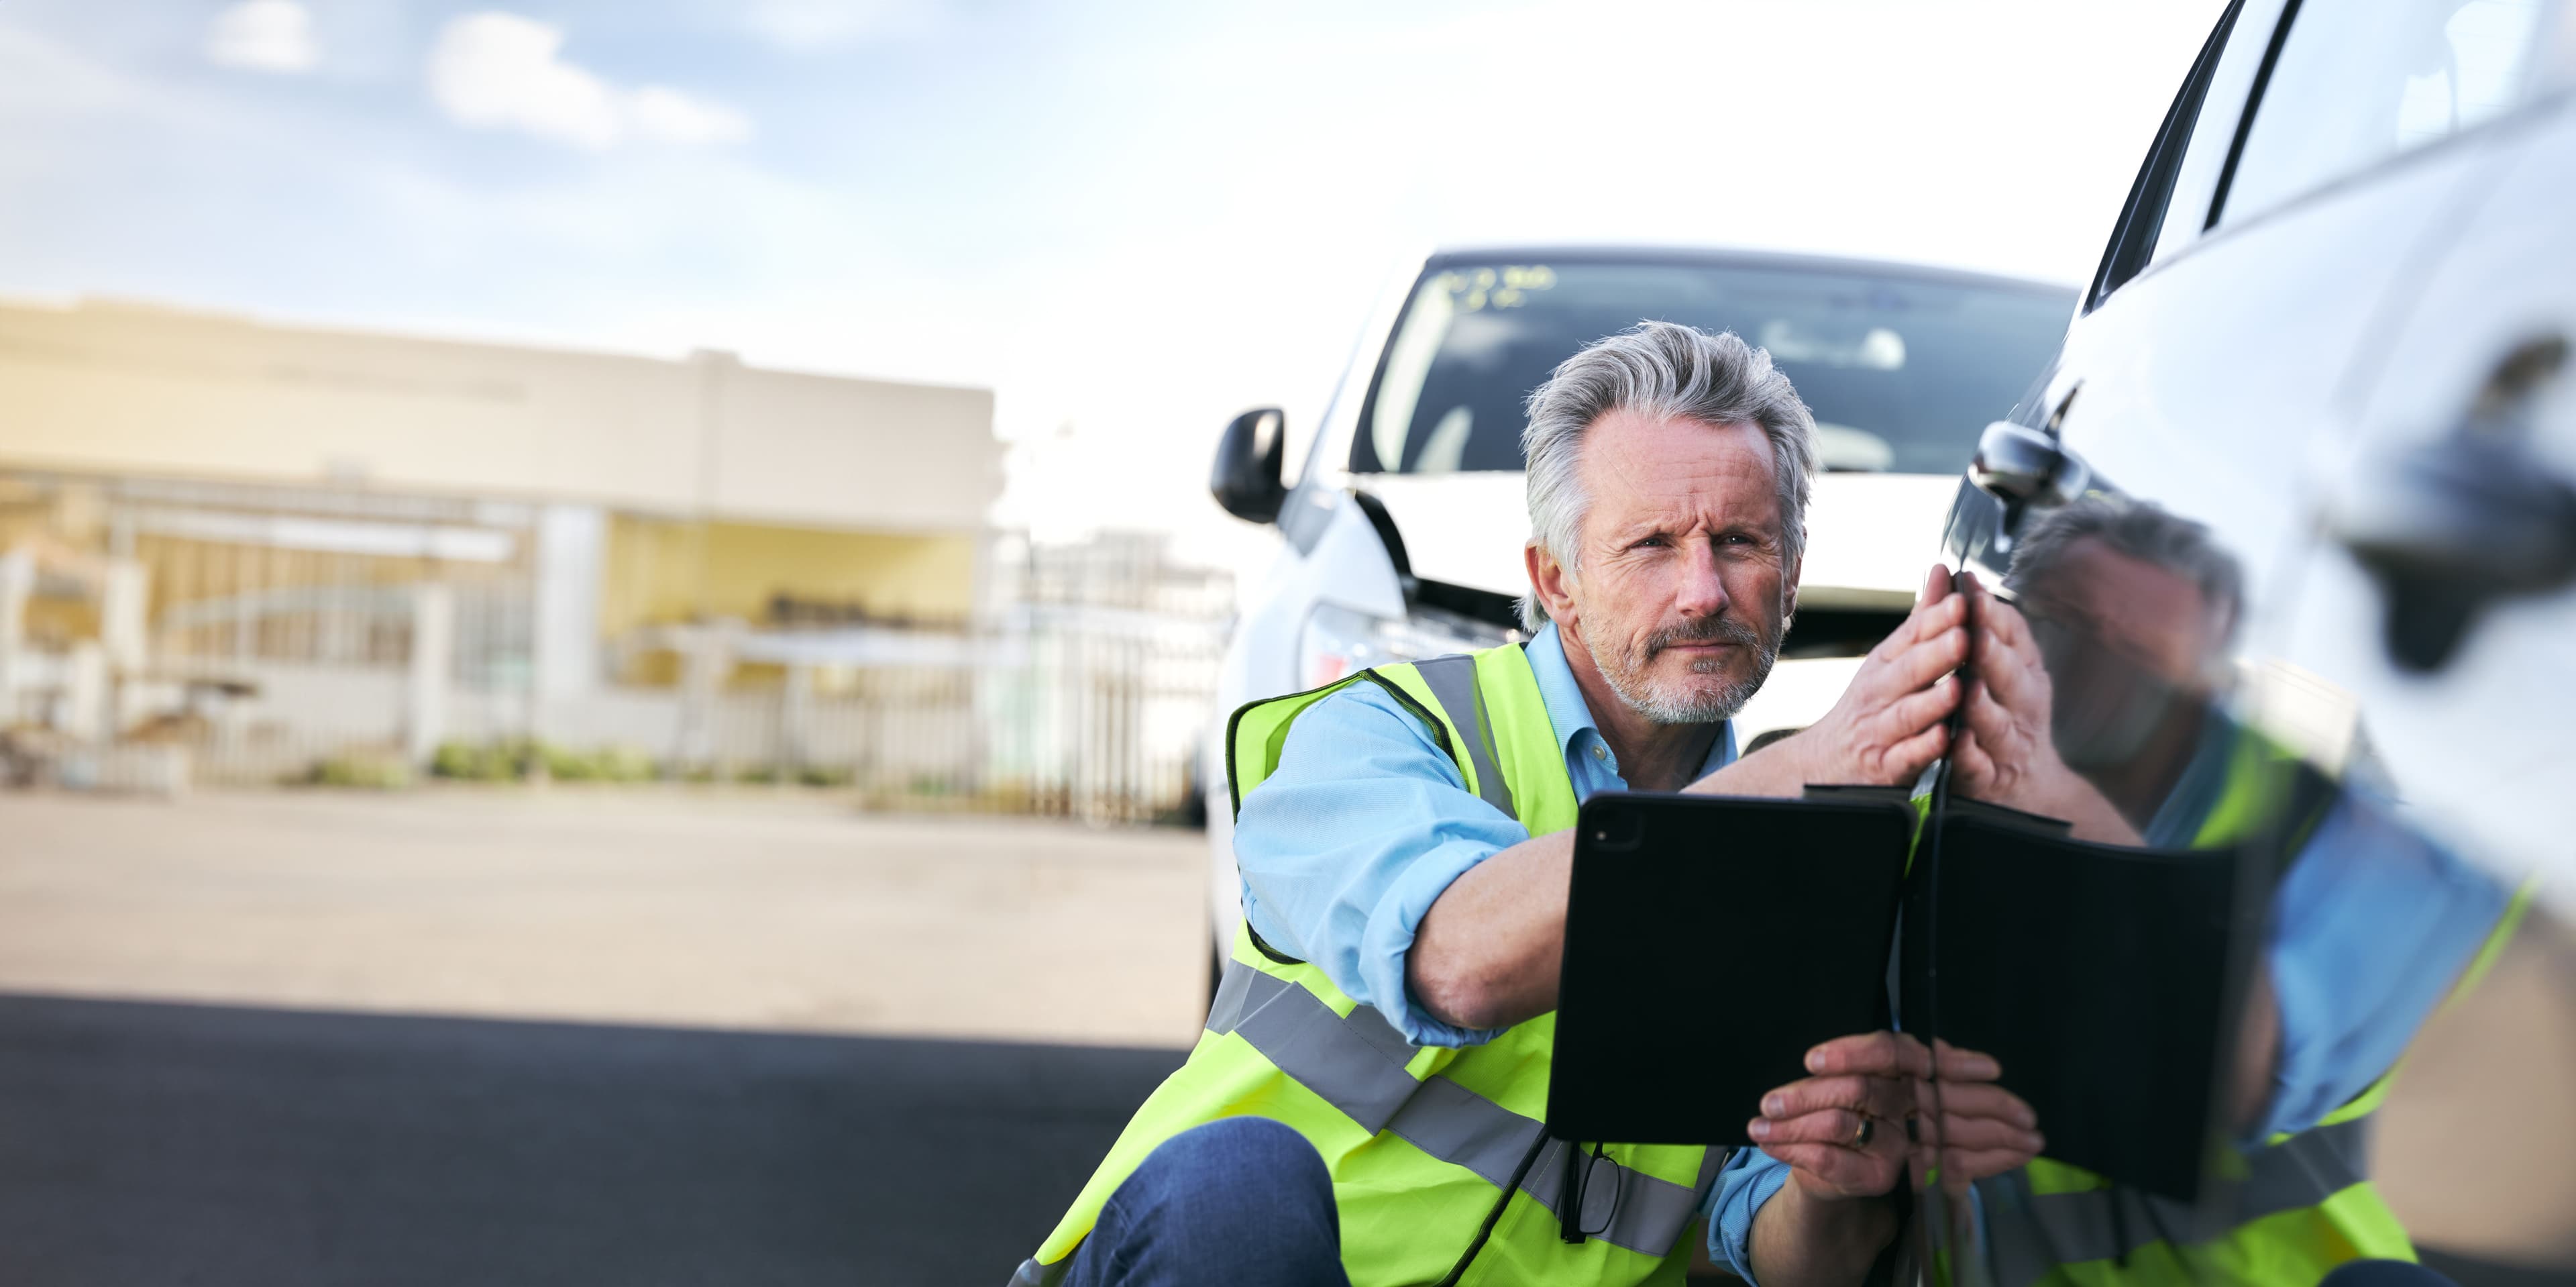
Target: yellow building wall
125, 390
661, 570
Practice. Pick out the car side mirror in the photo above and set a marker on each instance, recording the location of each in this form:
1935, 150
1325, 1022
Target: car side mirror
2023, 466
1246, 479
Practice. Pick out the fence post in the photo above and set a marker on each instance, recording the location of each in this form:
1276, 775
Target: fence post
17, 583
795, 720
85, 714
125, 595
706, 659
572, 543
433, 650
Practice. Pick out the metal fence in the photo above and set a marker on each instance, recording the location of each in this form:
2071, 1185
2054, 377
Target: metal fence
290, 634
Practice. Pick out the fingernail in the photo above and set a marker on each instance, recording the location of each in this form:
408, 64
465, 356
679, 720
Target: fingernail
1773, 1105
1815, 1061
2038, 1142
1981, 1068
1760, 1128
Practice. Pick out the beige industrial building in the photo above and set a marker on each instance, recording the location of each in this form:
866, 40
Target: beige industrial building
270, 528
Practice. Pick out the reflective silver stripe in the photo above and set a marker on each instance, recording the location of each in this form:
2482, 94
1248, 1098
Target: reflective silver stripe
1033, 1274
2034, 1233
1630, 1208
1356, 1064
1453, 680
1324, 1052
1455, 1124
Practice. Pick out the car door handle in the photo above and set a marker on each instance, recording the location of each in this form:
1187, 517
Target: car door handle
2450, 527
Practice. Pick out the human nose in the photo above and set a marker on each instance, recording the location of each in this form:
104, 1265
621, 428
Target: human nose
1702, 592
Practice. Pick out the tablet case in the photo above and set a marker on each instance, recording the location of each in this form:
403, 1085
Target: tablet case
1709, 942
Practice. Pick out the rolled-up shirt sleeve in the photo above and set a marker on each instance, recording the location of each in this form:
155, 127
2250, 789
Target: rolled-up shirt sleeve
1348, 843
1750, 1178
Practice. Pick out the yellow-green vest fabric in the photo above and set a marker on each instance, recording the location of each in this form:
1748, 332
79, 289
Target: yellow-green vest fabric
2286, 1213
1421, 1142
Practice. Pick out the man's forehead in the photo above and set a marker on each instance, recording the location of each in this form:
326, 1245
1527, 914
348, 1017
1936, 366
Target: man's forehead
1636, 461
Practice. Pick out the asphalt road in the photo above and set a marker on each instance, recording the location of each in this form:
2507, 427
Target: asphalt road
148, 1144
175, 1144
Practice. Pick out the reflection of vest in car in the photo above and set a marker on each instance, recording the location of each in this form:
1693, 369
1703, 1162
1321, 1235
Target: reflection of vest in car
1430, 1148
2289, 1211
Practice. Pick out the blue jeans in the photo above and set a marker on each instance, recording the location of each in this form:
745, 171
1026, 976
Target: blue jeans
1243, 1201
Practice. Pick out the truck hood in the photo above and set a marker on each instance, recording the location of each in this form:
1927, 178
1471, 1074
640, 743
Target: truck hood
1870, 537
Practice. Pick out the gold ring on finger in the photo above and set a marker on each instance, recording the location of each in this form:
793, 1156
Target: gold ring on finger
1861, 1135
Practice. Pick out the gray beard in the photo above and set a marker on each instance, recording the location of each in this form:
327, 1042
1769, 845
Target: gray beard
1626, 675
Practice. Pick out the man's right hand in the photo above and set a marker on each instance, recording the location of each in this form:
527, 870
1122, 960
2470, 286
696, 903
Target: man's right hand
1890, 723
1866, 1116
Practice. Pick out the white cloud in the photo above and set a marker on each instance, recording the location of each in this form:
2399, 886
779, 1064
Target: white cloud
264, 35
669, 116
497, 70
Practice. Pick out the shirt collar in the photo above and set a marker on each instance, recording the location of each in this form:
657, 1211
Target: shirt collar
1571, 716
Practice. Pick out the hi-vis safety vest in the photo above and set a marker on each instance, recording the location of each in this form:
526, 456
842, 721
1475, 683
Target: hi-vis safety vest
1430, 1147
2287, 1212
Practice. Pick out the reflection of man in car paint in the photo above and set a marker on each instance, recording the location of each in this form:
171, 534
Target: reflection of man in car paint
2096, 700
2131, 610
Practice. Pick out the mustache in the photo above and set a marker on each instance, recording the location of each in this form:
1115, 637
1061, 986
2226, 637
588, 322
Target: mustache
1707, 630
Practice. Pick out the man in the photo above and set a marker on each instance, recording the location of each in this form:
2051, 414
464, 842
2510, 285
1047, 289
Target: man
1404, 842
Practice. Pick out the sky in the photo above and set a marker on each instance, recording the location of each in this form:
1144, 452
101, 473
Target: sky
1129, 220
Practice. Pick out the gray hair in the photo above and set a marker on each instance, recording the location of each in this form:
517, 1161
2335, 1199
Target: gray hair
2142, 530
1667, 370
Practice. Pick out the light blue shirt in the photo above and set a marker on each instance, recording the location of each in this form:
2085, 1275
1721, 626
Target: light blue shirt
1366, 821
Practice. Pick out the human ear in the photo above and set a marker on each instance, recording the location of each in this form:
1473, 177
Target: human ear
1552, 581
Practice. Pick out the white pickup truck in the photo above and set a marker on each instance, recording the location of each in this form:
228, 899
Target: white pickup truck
1404, 522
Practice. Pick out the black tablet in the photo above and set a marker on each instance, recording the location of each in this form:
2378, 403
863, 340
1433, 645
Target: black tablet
1709, 942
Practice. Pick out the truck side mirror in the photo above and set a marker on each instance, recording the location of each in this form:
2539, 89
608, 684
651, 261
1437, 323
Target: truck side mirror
1246, 479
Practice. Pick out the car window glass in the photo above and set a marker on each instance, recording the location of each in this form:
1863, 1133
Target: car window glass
2359, 81
1901, 371
2211, 136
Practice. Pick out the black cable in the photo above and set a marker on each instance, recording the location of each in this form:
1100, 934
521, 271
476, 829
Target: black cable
1569, 1195
1510, 1187
1925, 867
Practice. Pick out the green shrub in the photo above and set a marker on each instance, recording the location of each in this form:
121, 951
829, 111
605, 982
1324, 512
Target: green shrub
517, 759
376, 771
818, 775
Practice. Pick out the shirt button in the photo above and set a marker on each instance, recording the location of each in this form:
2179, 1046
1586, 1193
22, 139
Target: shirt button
1600, 752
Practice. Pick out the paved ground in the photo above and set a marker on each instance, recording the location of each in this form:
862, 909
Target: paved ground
287, 1135
763, 909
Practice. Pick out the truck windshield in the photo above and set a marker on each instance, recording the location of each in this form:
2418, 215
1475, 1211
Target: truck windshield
1902, 372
